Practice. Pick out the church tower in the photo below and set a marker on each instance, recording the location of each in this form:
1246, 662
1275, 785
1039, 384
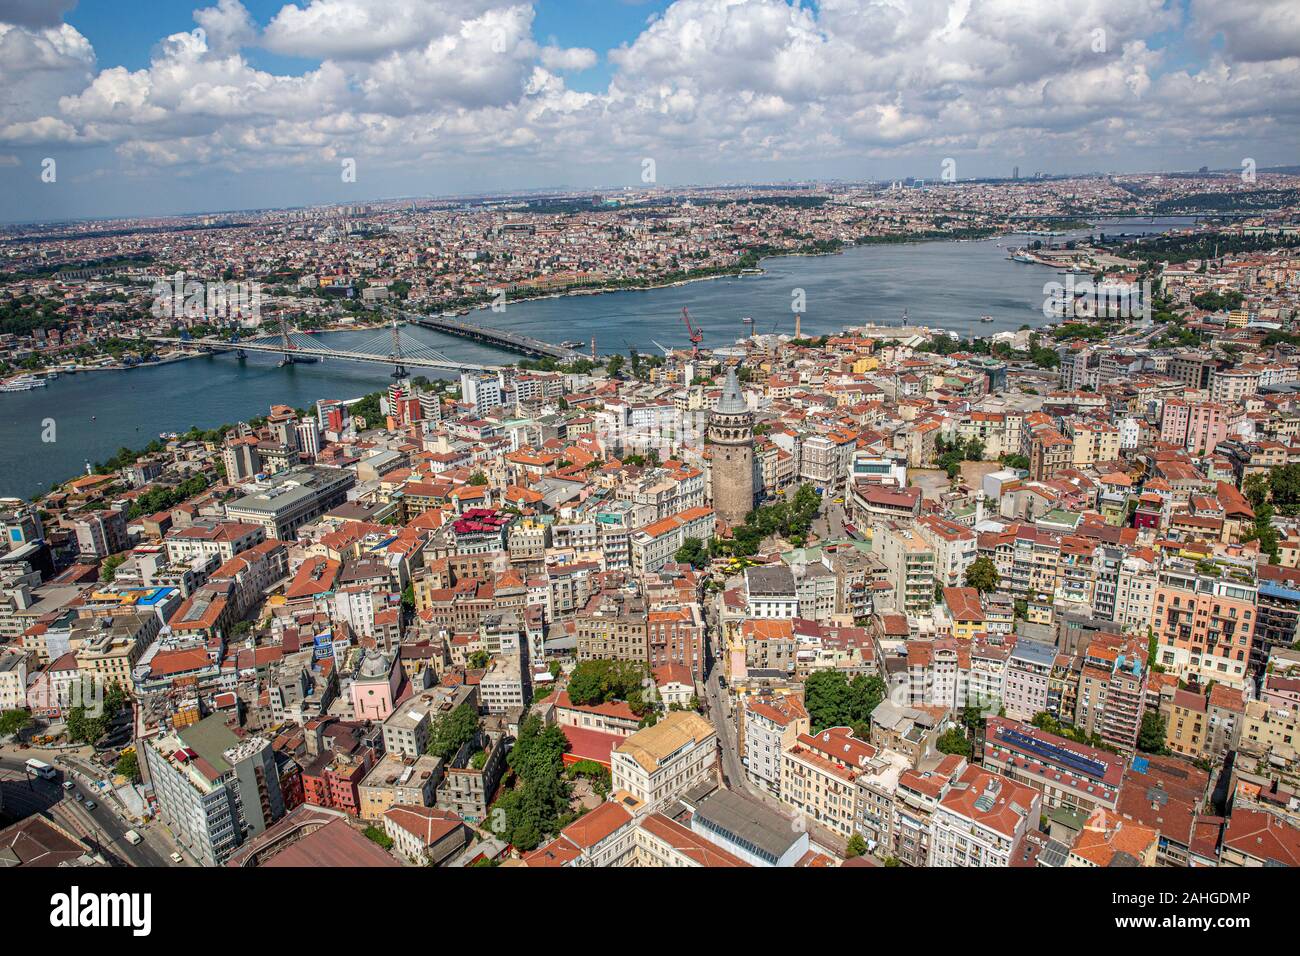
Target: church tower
731, 435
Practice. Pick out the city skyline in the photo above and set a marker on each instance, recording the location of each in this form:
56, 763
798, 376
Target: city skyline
189, 108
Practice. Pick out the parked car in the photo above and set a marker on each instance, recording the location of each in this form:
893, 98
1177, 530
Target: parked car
176, 857
68, 785
76, 795
91, 804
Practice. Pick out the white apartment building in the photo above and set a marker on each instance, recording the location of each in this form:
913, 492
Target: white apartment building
981, 820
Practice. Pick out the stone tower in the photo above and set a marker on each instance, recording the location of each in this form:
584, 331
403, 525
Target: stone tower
731, 433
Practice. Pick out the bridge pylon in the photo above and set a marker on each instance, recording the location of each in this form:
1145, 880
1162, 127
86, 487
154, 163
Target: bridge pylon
399, 366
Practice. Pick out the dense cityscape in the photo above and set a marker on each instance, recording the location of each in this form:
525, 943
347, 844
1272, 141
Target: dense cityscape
1012, 584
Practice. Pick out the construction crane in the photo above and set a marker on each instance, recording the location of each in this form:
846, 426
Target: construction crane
692, 333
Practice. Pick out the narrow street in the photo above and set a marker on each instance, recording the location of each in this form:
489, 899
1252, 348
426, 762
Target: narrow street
733, 770
103, 829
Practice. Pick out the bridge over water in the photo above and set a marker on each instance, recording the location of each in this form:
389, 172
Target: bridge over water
393, 346
511, 341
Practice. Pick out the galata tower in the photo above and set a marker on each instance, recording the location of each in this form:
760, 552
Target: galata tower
731, 435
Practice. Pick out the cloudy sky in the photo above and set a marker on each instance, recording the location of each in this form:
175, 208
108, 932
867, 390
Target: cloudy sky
154, 106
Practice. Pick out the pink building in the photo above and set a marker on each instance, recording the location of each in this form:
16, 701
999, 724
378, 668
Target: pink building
374, 689
1207, 425
1173, 421
1196, 426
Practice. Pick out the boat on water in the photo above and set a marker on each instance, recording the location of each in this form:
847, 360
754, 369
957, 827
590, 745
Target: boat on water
23, 383
571, 345
986, 318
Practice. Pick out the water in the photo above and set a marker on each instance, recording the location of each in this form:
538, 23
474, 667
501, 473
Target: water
940, 284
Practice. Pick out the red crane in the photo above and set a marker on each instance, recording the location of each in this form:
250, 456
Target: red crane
694, 334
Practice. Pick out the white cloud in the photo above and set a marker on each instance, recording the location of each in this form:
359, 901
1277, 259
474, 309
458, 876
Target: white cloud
228, 25
410, 82
572, 58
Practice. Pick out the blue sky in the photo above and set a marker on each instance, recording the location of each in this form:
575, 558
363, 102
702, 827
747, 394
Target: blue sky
145, 115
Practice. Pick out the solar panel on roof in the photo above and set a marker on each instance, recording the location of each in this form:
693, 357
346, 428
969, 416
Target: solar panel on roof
1066, 758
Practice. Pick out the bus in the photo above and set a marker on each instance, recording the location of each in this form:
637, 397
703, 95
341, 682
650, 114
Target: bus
41, 769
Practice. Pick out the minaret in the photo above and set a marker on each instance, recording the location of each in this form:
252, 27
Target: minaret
731, 435
797, 334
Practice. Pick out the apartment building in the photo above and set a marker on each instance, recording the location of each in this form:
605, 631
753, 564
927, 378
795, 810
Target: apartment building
770, 726
612, 626
1204, 620
909, 560
660, 762
819, 777
1066, 773
213, 789
982, 820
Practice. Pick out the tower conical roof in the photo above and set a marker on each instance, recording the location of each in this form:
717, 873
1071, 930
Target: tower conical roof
733, 399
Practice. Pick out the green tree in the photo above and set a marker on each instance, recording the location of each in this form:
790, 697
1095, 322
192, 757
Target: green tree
982, 575
954, 741
478, 478
972, 718
614, 366
1284, 482
827, 699
1151, 735
692, 552
479, 659
528, 813
1256, 488
601, 681
452, 731
856, 846
833, 701
1046, 722
108, 569
128, 765
83, 729
12, 721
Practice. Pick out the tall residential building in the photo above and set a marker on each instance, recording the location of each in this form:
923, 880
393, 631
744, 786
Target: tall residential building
770, 727
909, 559
1028, 669
1204, 620
101, 533
819, 776
731, 437
214, 789
480, 390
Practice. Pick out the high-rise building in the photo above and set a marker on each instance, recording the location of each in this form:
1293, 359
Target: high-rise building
101, 533
213, 789
731, 435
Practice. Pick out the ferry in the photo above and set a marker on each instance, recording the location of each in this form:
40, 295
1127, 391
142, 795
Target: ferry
986, 318
23, 383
